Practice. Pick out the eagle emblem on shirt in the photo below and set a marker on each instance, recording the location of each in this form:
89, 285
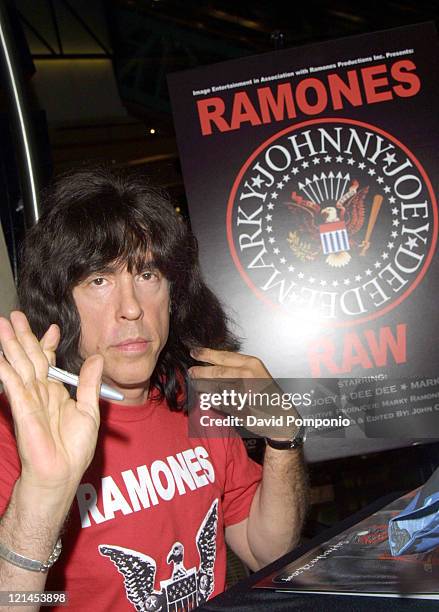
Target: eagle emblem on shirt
186, 588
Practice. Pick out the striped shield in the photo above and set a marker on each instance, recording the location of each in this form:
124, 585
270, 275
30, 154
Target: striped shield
334, 237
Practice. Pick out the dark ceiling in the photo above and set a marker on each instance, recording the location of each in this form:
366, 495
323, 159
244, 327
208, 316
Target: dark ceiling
154, 37
253, 25
151, 38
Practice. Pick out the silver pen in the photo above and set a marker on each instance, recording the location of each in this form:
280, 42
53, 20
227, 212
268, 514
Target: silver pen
105, 392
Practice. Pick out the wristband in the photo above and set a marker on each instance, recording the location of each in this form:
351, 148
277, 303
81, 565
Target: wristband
296, 442
30, 564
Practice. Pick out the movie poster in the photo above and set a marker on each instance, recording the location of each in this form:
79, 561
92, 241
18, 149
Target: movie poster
311, 175
358, 561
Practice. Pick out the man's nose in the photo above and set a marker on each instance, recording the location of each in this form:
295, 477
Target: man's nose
130, 306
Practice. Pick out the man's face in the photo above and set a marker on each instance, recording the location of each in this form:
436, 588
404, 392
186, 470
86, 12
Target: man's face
125, 318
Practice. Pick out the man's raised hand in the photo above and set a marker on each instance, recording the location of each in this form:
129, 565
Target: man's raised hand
56, 435
227, 364
229, 371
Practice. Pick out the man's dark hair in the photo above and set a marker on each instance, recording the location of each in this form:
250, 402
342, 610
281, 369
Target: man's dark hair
95, 218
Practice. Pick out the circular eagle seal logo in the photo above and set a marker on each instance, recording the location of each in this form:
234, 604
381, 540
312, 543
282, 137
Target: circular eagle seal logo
334, 219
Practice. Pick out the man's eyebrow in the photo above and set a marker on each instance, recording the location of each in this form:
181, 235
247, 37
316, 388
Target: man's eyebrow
148, 264
113, 267
96, 272
106, 269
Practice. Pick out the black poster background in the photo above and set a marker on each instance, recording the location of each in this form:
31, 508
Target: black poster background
216, 166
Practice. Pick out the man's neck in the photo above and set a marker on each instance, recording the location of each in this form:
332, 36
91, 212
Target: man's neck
133, 396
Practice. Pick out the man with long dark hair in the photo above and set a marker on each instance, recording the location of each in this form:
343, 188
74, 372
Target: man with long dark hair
110, 282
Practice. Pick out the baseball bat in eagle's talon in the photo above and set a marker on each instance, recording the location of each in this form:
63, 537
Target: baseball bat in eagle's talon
376, 205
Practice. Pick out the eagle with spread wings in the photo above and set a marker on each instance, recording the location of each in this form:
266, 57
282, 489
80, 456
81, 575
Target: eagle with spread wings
187, 588
304, 240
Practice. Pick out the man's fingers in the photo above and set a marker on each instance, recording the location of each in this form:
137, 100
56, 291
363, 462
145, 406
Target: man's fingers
30, 344
226, 358
249, 366
49, 343
215, 372
16, 393
15, 353
87, 395
9, 378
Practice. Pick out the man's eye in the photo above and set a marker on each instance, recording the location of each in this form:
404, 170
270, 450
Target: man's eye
148, 275
98, 282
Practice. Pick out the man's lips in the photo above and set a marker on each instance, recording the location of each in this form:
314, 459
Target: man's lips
132, 345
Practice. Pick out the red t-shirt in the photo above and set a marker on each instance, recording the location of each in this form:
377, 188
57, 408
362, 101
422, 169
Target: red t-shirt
146, 528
